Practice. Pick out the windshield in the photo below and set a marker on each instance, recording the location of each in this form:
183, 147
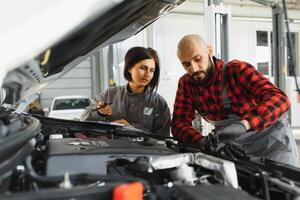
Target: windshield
63, 104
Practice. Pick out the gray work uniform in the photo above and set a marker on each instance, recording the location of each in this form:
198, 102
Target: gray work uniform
275, 142
147, 111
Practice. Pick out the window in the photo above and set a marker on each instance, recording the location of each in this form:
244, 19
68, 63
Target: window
262, 38
263, 67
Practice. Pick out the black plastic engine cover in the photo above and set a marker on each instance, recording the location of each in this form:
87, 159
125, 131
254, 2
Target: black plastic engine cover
75, 156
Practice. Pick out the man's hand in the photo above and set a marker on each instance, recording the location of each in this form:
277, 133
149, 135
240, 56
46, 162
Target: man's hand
234, 130
204, 143
232, 150
209, 143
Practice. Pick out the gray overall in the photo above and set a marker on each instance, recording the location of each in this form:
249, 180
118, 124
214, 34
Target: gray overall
275, 142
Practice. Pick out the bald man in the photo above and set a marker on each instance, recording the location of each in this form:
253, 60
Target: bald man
237, 99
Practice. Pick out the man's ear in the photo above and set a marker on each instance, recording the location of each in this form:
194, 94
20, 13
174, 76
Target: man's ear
210, 50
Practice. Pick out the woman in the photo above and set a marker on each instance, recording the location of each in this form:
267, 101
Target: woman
136, 103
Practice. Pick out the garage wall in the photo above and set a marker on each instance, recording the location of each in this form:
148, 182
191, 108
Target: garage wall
168, 31
75, 82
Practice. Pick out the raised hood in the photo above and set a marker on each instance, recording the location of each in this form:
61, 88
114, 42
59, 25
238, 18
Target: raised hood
49, 38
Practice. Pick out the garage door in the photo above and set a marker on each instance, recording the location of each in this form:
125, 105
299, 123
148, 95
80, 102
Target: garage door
76, 82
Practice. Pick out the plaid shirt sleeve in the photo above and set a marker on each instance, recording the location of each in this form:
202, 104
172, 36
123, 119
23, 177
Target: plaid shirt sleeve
183, 114
272, 103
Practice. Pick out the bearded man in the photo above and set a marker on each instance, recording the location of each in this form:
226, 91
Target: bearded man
237, 99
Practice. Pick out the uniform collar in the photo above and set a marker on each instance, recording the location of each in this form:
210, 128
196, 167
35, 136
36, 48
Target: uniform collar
129, 92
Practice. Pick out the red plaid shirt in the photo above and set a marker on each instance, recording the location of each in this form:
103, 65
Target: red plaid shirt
253, 98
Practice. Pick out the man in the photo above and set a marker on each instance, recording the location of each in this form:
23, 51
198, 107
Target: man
234, 97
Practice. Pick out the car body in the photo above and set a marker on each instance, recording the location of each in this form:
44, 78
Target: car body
68, 107
48, 158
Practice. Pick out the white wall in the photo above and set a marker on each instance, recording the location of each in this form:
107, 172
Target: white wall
168, 31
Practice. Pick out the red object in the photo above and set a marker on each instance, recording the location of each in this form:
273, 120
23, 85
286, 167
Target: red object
128, 191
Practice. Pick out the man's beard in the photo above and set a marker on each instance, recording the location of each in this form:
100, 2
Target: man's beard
208, 74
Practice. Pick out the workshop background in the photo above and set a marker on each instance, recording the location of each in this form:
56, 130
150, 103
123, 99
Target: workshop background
247, 26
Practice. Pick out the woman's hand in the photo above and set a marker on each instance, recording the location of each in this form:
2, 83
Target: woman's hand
121, 121
104, 108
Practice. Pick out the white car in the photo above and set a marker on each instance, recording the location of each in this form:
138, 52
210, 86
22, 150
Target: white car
68, 107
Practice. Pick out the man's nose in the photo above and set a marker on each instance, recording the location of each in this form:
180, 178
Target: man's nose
194, 67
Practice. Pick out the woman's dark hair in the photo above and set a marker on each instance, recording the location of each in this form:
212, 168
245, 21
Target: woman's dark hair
135, 55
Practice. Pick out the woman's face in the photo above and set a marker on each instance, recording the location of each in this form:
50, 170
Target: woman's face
142, 73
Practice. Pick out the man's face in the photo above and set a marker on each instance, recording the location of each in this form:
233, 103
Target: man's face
196, 60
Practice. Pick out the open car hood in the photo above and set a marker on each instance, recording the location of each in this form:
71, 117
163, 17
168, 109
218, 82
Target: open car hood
52, 37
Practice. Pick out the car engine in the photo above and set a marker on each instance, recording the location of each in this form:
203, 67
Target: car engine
46, 158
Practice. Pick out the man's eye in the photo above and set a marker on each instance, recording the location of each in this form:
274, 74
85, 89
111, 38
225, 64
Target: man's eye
197, 59
187, 65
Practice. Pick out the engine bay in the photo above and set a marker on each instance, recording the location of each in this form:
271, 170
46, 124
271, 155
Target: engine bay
64, 159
